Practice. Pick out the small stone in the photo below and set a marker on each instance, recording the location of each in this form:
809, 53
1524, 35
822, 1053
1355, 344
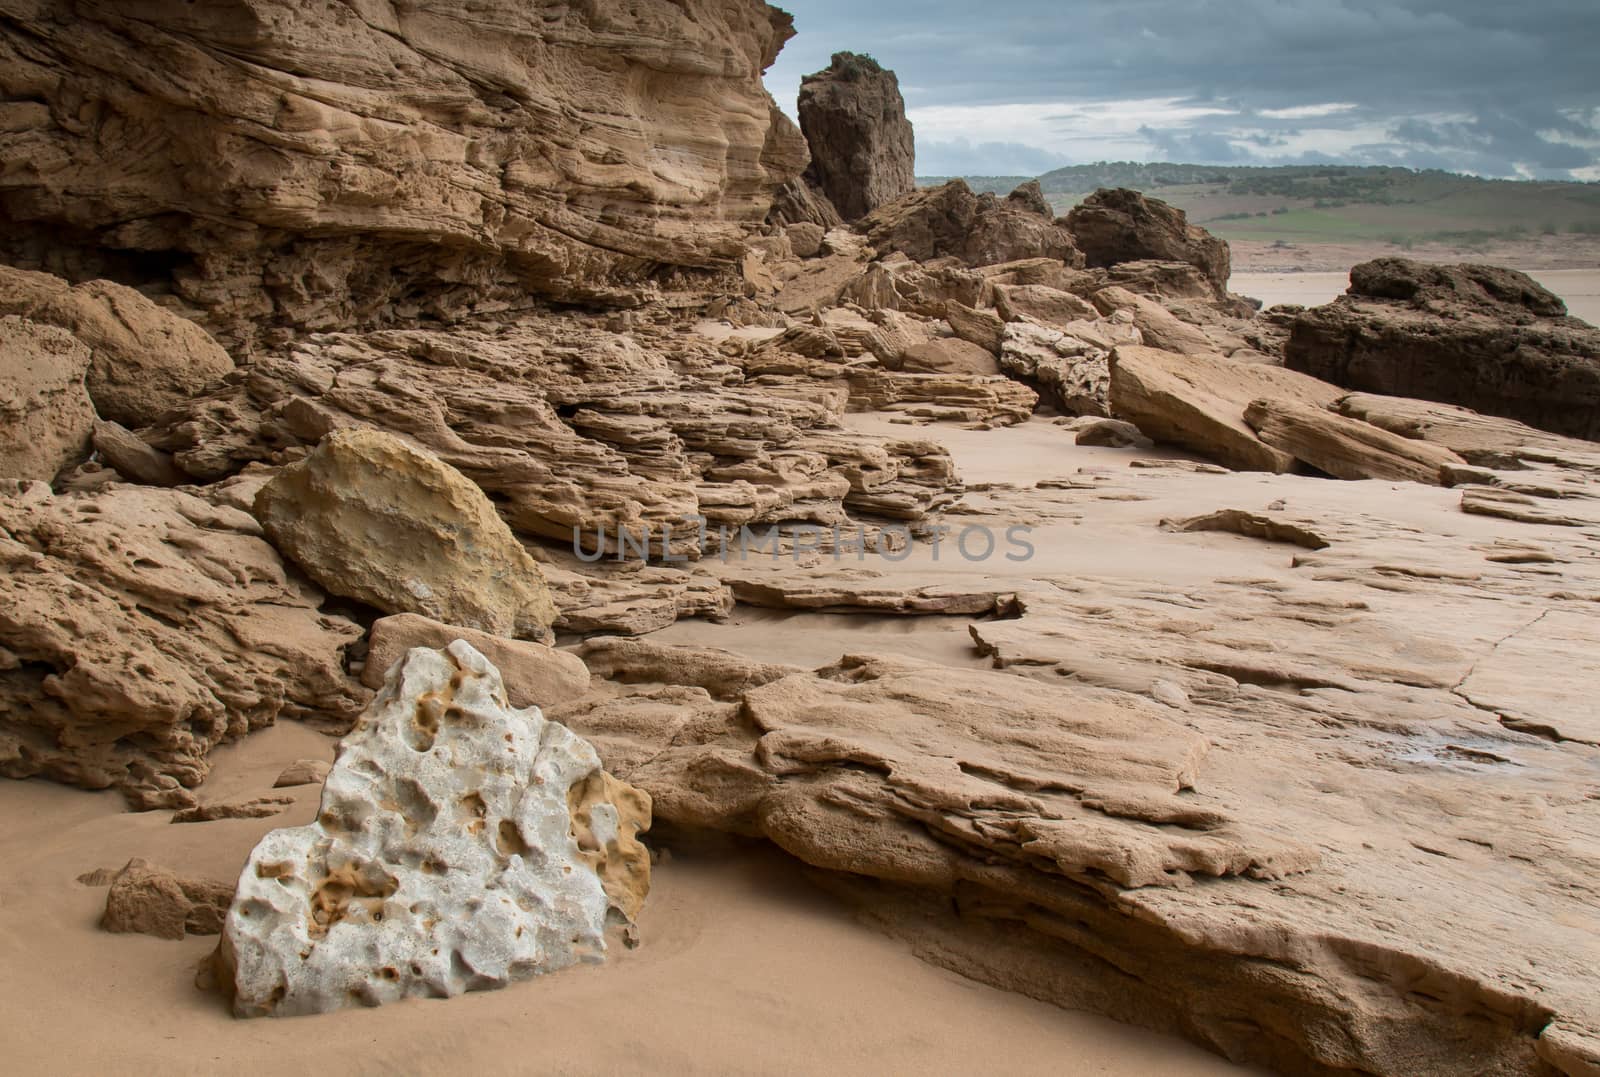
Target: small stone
148, 900
303, 772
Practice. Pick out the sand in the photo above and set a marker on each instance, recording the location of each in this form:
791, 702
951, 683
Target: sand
745, 967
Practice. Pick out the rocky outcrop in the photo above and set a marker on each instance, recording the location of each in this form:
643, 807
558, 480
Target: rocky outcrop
387, 161
374, 518
143, 360
862, 149
574, 432
950, 221
145, 899
534, 674
1117, 225
139, 628
1199, 402
46, 418
461, 845
1485, 338
1346, 448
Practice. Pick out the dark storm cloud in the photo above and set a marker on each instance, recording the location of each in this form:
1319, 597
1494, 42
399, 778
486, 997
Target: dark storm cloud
1470, 84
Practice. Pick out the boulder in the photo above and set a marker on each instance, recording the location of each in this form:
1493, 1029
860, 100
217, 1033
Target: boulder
461, 845
948, 355
133, 458
1485, 338
1117, 225
854, 120
148, 900
143, 360
375, 518
1030, 196
1042, 303
798, 202
140, 628
984, 328
443, 156
1111, 434
1070, 370
535, 674
950, 221
1199, 401
1159, 327
1346, 448
45, 416
1067, 363
805, 238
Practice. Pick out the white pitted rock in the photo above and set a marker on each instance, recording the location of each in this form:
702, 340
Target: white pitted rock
461, 845
373, 517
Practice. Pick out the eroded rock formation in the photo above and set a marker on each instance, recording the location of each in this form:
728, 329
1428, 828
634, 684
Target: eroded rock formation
1486, 338
140, 627
461, 845
862, 149
1113, 226
440, 159
950, 221
46, 417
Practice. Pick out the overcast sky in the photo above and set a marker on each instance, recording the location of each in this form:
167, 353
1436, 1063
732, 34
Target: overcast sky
1017, 87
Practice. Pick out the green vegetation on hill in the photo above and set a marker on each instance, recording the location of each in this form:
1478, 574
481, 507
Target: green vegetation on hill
1331, 204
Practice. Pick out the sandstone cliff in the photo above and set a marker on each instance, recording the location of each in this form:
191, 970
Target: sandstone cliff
325, 164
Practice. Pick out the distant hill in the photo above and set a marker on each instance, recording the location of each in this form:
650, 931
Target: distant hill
1311, 204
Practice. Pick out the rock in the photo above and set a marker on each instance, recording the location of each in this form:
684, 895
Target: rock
45, 415
1112, 434
1118, 225
148, 900
1251, 525
461, 845
535, 675
143, 360
303, 772
574, 432
897, 283
1484, 338
1015, 301
133, 458
950, 221
633, 600
1030, 196
143, 627
854, 120
949, 355
1158, 327
805, 238
1480, 439
862, 590
1069, 365
258, 808
1199, 402
1343, 447
435, 162
799, 202
984, 328
374, 518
